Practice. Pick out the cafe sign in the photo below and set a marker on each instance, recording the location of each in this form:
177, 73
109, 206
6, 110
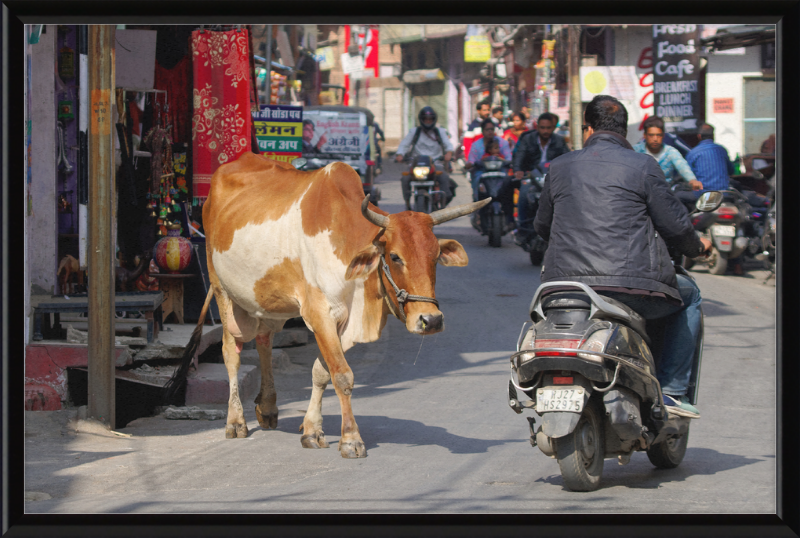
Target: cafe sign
676, 74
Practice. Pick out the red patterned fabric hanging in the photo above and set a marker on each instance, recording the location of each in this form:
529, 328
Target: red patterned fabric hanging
221, 123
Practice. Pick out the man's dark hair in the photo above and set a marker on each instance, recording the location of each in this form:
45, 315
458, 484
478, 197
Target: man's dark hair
496, 109
653, 121
481, 104
606, 113
308, 122
547, 116
706, 132
487, 121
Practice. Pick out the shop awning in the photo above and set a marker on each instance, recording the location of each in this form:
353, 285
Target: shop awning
740, 36
422, 75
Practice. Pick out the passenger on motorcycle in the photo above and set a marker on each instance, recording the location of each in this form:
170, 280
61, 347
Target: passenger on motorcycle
535, 149
478, 150
608, 215
427, 139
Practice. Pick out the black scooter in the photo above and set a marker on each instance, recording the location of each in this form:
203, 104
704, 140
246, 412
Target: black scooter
525, 236
494, 183
585, 366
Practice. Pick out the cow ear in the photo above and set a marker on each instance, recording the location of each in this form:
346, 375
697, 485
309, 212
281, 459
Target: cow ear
363, 263
453, 254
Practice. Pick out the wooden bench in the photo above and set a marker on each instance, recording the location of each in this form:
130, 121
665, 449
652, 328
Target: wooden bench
148, 302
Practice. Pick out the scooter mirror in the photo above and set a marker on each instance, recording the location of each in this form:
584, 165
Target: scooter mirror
299, 163
709, 201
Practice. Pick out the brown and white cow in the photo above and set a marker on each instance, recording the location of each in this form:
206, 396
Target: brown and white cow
283, 243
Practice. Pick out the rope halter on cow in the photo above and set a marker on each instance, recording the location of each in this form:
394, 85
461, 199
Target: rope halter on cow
443, 215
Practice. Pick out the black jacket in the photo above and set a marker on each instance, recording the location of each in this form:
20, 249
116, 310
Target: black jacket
606, 212
527, 152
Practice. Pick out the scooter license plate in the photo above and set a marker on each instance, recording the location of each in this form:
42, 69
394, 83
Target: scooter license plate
727, 231
560, 399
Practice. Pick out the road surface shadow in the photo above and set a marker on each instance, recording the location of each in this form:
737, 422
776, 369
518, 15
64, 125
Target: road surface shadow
641, 474
378, 430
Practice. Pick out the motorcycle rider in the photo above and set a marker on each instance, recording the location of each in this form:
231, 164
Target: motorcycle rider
606, 212
535, 148
427, 139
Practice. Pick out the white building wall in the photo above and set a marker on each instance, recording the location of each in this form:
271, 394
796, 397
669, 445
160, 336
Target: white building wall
43, 224
633, 47
725, 80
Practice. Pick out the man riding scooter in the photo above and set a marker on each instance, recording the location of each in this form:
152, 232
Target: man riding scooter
432, 141
606, 212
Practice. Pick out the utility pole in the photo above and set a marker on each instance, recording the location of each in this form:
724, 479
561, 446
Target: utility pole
575, 105
100, 241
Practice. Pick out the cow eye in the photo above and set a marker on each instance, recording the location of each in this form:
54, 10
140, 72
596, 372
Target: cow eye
395, 258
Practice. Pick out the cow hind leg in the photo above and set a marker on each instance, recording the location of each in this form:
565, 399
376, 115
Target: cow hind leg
313, 436
236, 426
266, 401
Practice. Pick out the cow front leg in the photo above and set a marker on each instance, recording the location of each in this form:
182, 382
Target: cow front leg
266, 401
236, 426
313, 436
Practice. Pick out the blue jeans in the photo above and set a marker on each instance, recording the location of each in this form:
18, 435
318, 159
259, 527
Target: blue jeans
680, 337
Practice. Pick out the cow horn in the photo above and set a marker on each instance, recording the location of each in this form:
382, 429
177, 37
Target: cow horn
375, 218
443, 215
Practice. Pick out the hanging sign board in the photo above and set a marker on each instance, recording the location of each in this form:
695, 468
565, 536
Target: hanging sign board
279, 131
675, 76
477, 48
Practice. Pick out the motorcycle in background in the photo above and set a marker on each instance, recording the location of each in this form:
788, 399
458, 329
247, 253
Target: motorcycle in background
525, 236
588, 366
494, 182
426, 195
734, 229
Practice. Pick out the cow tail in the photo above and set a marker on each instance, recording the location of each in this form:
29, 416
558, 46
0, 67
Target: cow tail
178, 379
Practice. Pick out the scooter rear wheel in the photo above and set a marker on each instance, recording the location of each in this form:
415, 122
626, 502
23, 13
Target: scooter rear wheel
668, 454
580, 454
717, 262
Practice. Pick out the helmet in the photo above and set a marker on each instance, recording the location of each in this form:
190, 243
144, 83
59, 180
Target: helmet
427, 117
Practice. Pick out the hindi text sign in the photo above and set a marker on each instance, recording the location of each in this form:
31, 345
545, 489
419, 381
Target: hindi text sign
279, 131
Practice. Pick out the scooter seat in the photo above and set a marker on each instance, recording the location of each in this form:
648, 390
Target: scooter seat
637, 322
580, 301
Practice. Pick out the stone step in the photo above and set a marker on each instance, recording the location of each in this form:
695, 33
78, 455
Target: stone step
209, 385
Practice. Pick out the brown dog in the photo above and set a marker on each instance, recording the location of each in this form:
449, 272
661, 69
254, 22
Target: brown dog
67, 269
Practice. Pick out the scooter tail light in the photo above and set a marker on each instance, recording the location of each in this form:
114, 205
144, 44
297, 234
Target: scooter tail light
725, 217
563, 380
596, 343
727, 210
540, 343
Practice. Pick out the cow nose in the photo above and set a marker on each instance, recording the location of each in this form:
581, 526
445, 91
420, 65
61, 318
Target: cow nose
431, 322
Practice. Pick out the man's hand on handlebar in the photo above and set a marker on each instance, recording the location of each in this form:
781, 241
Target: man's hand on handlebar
398, 158
706, 244
696, 185
519, 174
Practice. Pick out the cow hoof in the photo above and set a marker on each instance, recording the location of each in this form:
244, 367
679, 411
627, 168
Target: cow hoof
232, 431
268, 421
314, 440
352, 449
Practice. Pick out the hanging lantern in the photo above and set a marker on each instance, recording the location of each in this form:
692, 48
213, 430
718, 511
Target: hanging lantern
173, 253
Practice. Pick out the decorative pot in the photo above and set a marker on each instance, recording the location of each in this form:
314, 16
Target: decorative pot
173, 253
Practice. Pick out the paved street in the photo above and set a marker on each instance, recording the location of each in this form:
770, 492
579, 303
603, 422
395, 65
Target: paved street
434, 417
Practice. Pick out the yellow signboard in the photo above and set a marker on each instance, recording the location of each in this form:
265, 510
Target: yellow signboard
477, 48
